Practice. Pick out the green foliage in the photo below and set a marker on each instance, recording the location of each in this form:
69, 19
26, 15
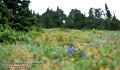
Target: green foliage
23, 40
108, 14
101, 52
115, 25
17, 15
75, 19
51, 19
22, 18
5, 13
60, 17
48, 19
7, 34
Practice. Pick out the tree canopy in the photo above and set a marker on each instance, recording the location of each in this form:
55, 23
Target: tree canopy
16, 14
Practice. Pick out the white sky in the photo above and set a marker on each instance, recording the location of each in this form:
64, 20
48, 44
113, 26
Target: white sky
40, 6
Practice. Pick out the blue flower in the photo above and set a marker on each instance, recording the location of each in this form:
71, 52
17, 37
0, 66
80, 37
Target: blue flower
70, 50
84, 55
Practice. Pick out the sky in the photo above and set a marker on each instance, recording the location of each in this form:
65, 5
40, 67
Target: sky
40, 6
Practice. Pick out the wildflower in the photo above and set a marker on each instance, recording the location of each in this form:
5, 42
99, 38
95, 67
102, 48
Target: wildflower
47, 65
110, 56
23, 68
95, 53
102, 68
84, 55
117, 68
78, 46
70, 51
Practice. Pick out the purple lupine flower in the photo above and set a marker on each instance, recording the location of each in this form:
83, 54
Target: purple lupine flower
84, 55
70, 50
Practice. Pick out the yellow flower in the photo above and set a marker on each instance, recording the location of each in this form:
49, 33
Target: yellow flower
110, 56
107, 68
93, 52
117, 68
89, 52
78, 46
102, 68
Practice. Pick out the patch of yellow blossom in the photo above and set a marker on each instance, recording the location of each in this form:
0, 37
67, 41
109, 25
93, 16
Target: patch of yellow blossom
79, 46
93, 52
102, 68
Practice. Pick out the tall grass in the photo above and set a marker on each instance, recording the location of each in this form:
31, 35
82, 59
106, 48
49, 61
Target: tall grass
61, 49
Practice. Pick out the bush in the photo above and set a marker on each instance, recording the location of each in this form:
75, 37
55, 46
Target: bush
7, 34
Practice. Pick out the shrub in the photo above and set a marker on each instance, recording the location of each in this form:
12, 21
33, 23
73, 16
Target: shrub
7, 34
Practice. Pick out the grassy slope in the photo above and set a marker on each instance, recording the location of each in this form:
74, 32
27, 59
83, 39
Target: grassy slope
101, 50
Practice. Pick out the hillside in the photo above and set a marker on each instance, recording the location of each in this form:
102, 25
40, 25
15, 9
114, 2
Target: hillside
62, 49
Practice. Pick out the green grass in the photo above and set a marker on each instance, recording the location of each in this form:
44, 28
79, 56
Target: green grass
49, 49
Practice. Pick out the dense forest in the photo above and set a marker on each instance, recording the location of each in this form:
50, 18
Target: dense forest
17, 15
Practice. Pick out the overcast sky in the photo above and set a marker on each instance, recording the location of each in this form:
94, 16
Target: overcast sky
40, 6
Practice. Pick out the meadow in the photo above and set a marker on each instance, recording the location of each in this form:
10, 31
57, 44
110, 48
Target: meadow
60, 49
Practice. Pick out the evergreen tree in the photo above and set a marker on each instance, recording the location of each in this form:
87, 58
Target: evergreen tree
59, 17
91, 13
16, 14
108, 21
108, 14
75, 19
38, 19
98, 13
47, 19
114, 17
22, 17
53, 18
95, 18
115, 25
5, 13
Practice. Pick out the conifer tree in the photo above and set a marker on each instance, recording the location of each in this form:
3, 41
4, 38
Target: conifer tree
108, 14
22, 17
5, 13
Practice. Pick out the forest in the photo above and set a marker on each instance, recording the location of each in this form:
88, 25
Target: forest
16, 14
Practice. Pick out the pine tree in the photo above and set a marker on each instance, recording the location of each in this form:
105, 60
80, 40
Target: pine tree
114, 17
53, 18
5, 13
59, 17
108, 14
75, 19
95, 19
115, 24
91, 13
98, 13
22, 17
47, 19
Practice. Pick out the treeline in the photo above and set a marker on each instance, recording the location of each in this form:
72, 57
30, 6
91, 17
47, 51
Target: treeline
16, 14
